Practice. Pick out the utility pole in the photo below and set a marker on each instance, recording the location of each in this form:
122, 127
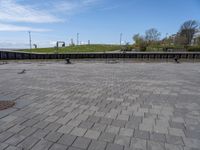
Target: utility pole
77, 38
121, 38
29, 32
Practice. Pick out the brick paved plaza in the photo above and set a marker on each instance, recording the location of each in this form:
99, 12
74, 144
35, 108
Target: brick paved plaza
100, 106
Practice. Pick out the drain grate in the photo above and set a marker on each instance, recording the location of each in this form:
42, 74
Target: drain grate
6, 104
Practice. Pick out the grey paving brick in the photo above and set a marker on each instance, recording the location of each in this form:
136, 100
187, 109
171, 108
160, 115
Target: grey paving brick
40, 133
42, 145
16, 128
27, 131
119, 123
86, 124
78, 131
97, 145
99, 127
176, 140
67, 139
126, 132
58, 147
74, 148
141, 134
112, 129
4, 136
28, 143
82, 143
137, 143
92, 134
53, 126
3, 146
114, 147
155, 145
15, 140
65, 129
122, 140
53, 136
107, 137
173, 147
106, 121
157, 137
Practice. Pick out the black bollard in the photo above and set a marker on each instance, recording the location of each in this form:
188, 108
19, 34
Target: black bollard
67, 61
176, 59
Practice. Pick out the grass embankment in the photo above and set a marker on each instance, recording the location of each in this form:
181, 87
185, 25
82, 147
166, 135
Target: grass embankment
79, 48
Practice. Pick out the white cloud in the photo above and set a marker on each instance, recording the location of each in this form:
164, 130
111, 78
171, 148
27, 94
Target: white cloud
11, 11
10, 27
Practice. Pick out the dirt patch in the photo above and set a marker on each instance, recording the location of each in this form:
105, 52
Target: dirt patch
6, 104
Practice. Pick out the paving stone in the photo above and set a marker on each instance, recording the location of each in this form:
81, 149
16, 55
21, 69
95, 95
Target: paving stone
138, 144
122, 140
141, 134
123, 117
74, 148
99, 127
82, 143
42, 145
126, 132
41, 124
4, 136
28, 143
93, 119
112, 129
114, 147
15, 140
67, 139
3, 146
155, 145
53, 126
40, 133
132, 125
157, 137
176, 140
107, 137
119, 123
58, 147
176, 132
27, 131
78, 131
97, 145
106, 121
86, 124
16, 128
53, 136
192, 143
173, 147
65, 129
92, 134
12, 148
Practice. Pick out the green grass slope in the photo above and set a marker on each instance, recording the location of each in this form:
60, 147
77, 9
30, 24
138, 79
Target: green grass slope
74, 49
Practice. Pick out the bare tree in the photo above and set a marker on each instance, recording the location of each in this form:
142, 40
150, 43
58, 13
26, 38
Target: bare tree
152, 35
188, 29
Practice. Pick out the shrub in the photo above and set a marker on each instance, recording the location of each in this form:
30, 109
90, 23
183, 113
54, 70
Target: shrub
194, 49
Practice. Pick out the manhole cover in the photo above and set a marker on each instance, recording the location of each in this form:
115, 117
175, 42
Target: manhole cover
6, 104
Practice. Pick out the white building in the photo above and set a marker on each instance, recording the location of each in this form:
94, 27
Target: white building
196, 37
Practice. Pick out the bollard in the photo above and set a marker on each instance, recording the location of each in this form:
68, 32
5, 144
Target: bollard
67, 61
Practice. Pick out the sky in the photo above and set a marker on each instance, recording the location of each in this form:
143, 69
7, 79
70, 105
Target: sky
100, 21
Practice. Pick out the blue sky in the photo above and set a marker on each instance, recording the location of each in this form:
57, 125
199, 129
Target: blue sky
100, 21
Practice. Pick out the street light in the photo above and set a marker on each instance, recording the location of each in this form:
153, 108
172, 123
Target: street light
29, 32
77, 38
121, 38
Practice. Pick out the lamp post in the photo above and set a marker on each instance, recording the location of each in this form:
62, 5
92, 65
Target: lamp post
121, 38
77, 38
29, 32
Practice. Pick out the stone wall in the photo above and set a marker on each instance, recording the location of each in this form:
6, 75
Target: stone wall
8, 55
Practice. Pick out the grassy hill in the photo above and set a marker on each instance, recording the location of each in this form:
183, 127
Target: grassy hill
79, 48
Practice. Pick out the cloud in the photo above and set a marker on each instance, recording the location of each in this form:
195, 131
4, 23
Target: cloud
10, 27
11, 11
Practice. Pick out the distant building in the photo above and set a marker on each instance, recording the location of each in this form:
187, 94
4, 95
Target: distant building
196, 38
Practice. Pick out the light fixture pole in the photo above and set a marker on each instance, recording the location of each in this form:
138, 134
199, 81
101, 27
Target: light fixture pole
121, 38
77, 38
29, 32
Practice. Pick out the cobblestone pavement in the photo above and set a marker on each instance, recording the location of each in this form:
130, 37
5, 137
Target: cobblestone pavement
100, 106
